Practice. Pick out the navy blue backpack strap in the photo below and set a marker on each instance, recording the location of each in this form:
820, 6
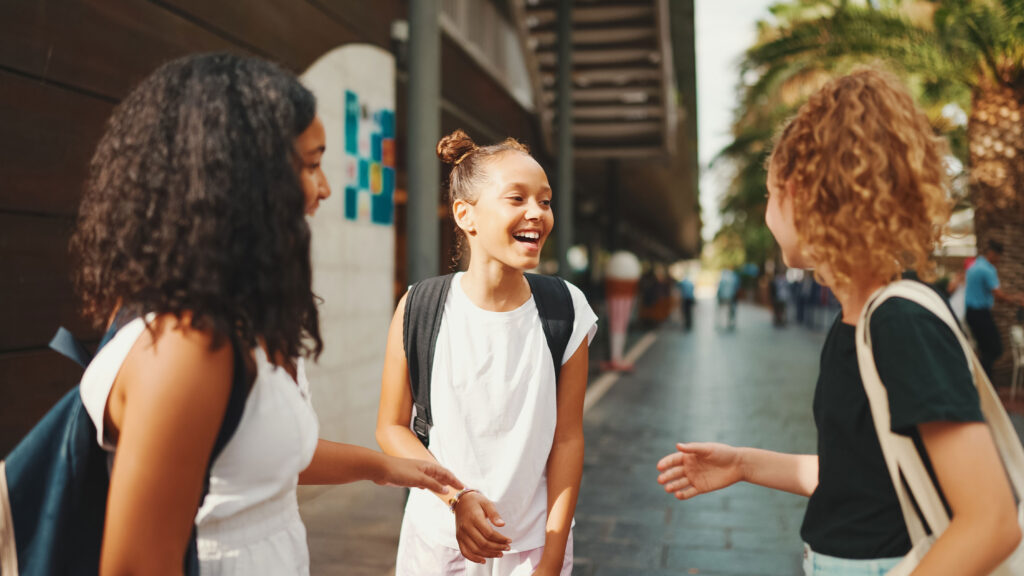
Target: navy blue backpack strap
66, 344
557, 314
424, 306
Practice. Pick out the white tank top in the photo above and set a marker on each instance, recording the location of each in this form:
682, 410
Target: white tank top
275, 440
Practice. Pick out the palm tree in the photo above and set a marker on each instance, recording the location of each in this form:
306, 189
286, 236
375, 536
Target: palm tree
964, 53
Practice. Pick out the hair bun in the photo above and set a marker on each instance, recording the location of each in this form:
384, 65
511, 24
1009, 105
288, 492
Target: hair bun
453, 147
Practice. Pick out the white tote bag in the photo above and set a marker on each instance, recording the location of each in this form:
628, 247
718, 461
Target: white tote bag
901, 455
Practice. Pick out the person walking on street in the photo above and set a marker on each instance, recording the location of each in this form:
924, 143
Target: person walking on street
780, 296
686, 290
502, 411
983, 289
728, 293
857, 192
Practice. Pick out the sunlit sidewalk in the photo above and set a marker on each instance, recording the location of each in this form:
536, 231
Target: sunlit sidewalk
752, 386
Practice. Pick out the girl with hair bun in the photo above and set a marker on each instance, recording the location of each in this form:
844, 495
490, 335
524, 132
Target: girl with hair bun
192, 247
857, 192
499, 421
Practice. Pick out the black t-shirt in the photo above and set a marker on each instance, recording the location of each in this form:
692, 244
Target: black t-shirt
854, 513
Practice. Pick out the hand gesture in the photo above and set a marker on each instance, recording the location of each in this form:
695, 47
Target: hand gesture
478, 540
417, 474
698, 468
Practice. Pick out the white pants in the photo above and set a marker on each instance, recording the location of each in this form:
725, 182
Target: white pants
417, 557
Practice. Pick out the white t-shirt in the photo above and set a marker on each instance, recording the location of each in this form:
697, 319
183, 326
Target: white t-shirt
492, 396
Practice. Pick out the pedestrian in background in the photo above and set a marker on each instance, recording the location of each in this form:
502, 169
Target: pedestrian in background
498, 418
687, 293
983, 289
728, 293
858, 193
780, 295
194, 224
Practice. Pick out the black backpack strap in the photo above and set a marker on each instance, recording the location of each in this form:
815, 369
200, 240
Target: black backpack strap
557, 314
424, 306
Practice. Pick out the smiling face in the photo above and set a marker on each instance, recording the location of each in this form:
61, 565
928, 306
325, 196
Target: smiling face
309, 147
511, 217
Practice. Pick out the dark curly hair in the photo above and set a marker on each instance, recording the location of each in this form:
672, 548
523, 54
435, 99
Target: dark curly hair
194, 205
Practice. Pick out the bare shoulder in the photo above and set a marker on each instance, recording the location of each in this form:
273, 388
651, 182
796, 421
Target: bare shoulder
173, 362
181, 347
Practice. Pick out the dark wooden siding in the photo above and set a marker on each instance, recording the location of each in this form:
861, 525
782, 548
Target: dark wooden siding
64, 64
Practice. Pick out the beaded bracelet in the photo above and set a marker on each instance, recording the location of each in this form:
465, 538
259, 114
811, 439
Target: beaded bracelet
454, 500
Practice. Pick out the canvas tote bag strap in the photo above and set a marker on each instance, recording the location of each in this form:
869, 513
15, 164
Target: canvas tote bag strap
891, 444
1003, 433
905, 463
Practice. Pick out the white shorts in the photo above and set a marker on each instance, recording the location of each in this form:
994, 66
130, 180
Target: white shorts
417, 557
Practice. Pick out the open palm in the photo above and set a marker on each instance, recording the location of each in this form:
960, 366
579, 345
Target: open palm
698, 468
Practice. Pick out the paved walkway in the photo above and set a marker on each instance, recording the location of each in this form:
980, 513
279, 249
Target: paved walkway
749, 387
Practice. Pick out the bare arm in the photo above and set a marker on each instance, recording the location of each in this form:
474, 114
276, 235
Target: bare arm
1008, 297
698, 468
793, 473
411, 466
565, 463
983, 530
337, 463
170, 400
393, 433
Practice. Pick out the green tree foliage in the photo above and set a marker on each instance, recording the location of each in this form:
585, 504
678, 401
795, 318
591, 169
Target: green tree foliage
960, 58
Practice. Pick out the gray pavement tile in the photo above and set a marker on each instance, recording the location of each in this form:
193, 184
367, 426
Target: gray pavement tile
602, 553
734, 562
752, 387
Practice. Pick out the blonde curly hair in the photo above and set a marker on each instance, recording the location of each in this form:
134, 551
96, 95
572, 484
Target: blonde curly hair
869, 179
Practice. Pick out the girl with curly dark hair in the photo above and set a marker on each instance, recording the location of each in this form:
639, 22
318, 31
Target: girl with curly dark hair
194, 223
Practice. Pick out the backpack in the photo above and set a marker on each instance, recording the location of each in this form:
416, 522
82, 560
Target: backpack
424, 307
53, 485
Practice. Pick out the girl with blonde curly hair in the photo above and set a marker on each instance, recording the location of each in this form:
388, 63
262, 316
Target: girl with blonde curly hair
857, 192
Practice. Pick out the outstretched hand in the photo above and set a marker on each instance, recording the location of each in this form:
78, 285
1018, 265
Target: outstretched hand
411, 473
698, 468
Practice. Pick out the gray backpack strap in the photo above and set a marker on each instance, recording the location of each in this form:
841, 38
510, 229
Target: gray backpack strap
424, 306
557, 314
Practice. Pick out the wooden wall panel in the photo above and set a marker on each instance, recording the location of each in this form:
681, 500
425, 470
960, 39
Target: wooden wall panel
372, 21
100, 46
292, 32
36, 295
55, 131
30, 383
